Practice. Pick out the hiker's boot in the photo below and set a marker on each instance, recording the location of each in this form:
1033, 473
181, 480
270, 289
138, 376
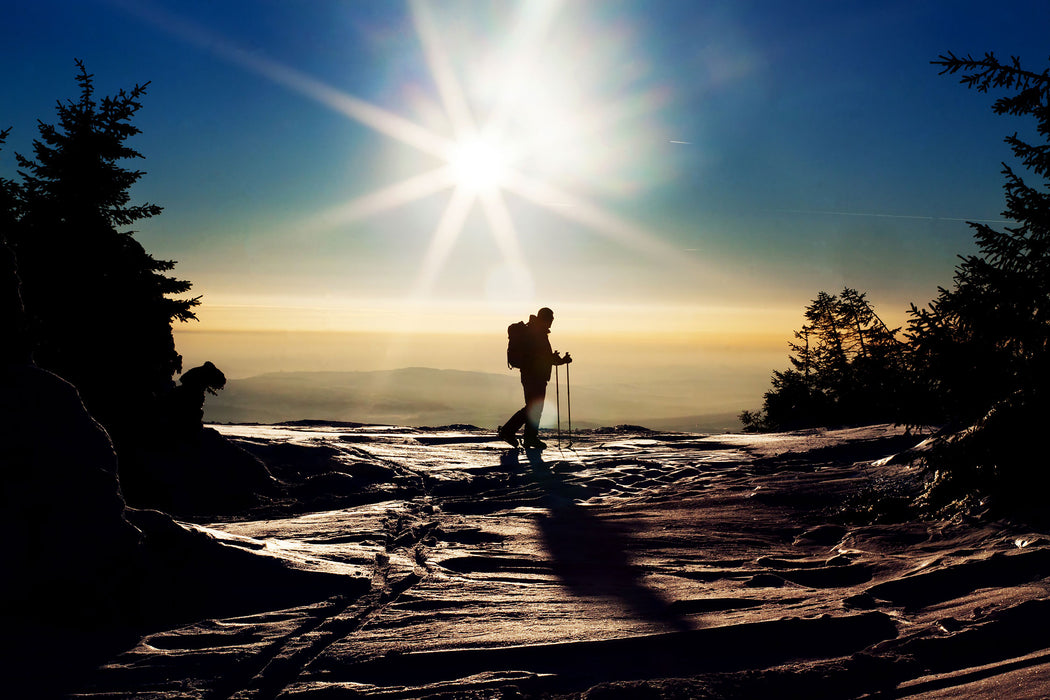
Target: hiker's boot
507, 436
531, 442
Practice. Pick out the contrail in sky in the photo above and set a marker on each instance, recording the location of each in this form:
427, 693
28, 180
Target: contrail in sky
892, 216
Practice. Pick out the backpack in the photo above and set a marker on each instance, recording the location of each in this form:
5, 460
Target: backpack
517, 344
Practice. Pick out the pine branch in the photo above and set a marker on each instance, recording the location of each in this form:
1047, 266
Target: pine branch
988, 72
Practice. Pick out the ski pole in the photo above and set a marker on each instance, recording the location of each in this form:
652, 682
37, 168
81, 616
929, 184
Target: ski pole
568, 403
557, 400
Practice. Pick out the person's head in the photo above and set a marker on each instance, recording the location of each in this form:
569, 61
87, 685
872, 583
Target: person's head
546, 316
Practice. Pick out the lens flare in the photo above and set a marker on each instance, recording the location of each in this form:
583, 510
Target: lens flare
546, 133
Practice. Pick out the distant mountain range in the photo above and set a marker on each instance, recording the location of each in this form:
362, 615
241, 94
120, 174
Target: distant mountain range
432, 397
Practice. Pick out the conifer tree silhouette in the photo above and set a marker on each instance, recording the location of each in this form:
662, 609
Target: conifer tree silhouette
12, 312
988, 338
846, 368
983, 347
100, 307
8, 197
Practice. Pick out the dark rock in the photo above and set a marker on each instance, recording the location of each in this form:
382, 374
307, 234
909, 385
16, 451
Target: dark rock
86, 575
369, 471
765, 581
327, 484
619, 429
61, 504
862, 601
451, 427
203, 473
170, 461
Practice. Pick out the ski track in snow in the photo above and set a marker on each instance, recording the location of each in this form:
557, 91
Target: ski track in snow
627, 555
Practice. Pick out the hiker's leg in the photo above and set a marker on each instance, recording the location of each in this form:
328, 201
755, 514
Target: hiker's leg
515, 422
535, 392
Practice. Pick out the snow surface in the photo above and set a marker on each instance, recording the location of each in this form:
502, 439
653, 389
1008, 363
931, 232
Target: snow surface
695, 566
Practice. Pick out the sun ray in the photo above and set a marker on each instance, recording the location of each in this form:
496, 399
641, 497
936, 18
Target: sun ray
594, 217
391, 197
378, 119
515, 274
452, 97
502, 227
441, 242
368, 114
579, 124
534, 19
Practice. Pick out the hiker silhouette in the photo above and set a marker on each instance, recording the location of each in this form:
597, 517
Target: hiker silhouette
530, 351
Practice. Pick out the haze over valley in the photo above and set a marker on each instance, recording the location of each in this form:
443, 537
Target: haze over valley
688, 382
430, 397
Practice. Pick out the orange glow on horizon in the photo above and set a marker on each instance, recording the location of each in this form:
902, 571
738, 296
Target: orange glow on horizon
649, 324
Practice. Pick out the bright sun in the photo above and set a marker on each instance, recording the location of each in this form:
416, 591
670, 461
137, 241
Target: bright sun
479, 164
553, 131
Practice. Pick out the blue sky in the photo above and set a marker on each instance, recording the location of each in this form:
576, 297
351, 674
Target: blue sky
701, 165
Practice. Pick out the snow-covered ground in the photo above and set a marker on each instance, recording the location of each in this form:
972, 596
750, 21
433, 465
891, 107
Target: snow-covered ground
695, 566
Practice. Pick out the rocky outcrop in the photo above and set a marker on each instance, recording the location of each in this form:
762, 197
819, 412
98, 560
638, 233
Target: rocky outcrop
60, 502
175, 464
